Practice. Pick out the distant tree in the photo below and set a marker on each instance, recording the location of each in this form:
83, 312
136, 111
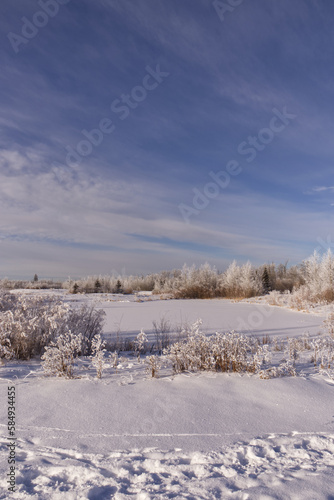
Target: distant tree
118, 287
266, 281
97, 286
75, 288
35, 278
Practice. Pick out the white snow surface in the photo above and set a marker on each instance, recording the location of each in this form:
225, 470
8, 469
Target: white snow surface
188, 436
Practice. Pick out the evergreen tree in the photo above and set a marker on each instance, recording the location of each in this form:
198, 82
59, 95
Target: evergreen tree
266, 281
97, 286
118, 287
35, 278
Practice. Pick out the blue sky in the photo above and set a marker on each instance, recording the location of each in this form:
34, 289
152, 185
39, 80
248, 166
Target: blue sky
183, 92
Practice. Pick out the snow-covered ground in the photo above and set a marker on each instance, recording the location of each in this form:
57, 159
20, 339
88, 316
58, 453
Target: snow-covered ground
193, 436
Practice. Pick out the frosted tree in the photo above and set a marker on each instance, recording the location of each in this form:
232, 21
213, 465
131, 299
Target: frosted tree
249, 283
326, 276
231, 279
312, 274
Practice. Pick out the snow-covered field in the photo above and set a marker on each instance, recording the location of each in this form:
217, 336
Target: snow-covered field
194, 436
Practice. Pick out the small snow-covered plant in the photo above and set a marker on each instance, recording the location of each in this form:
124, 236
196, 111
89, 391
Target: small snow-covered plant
98, 352
114, 360
140, 343
274, 298
278, 344
316, 346
284, 369
162, 333
153, 365
176, 353
59, 356
325, 353
305, 340
261, 357
293, 348
329, 324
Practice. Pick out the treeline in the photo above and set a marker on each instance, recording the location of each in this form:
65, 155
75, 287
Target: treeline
203, 282
43, 284
312, 279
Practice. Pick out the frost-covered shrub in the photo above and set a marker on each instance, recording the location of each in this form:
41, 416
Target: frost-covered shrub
87, 321
323, 353
140, 343
274, 298
7, 300
162, 330
300, 299
58, 357
329, 324
153, 365
98, 355
114, 360
284, 369
32, 323
6, 351
225, 352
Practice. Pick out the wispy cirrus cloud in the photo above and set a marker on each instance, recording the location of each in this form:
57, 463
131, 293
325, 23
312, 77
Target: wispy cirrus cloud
121, 203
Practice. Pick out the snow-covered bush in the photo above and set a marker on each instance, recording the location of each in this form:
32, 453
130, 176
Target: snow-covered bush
114, 360
301, 298
58, 357
87, 321
98, 355
153, 365
274, 298
32, 323
225, 352
162, 330
7, 300
329, 324
140, 343
6, 351
323, 352
284, 369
